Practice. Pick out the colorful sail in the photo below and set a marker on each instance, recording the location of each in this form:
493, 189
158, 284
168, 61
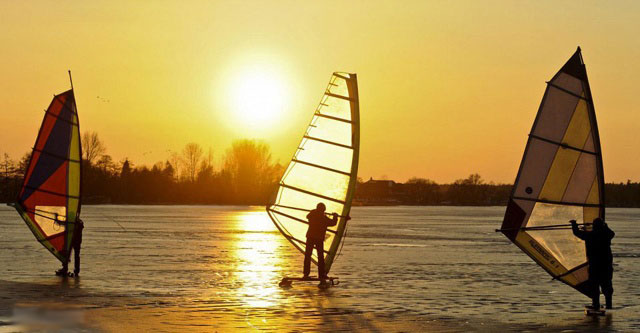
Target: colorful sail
49, 200
560, 178
324, 168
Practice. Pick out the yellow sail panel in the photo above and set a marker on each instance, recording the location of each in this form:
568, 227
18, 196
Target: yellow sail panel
594, 194
579, 127
323, 168
559, 174
560, 178
75, 174
49, 200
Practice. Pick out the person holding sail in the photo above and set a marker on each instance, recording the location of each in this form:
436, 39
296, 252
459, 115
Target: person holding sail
76, 242
600, 259
318, 224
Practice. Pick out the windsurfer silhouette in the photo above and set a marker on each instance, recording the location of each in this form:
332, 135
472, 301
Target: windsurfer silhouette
76, 242
598, 246
318, 224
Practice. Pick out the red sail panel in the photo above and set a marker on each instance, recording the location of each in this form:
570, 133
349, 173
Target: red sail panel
45, 196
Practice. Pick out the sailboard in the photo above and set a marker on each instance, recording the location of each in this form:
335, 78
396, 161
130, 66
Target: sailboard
49, 199
324, 168
560, 178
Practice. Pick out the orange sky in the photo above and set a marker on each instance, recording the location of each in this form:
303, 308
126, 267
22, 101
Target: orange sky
447, 88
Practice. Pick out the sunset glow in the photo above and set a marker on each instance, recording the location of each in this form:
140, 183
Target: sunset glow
443, 93
319, 166
258, 98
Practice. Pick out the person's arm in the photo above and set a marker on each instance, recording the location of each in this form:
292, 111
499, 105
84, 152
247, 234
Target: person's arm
334, 221
577, 232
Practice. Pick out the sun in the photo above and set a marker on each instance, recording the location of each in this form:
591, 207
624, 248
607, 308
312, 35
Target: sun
257, 98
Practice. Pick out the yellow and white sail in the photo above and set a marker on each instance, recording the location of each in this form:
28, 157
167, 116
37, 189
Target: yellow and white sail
323, 169
560, 178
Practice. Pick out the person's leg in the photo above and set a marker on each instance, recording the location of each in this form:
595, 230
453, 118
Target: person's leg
607, 288
320, 251
76, 259
594, 285
64, 269
308, 250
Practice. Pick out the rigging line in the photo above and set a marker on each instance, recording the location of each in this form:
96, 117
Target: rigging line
563, 145
116, 222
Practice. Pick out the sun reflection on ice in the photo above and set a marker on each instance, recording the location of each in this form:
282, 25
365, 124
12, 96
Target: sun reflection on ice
259, 257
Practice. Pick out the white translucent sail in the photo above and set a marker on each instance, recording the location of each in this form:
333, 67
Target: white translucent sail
560, 178
323, 169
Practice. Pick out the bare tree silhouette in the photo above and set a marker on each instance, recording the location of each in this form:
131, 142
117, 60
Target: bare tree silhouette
191, 155
92, 147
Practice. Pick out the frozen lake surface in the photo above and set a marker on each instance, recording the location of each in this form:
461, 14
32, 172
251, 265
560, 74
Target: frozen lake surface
207, 268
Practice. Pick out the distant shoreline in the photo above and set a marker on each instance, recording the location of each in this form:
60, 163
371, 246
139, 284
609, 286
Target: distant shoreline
263, 205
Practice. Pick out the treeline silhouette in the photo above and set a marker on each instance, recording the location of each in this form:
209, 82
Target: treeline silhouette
246, 175
470, 191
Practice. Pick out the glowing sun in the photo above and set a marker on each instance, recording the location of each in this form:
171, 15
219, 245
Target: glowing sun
257, 97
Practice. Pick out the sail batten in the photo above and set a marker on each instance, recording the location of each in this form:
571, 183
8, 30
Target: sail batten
560, 178
312, 193
559, 202
562, 145
56, 156
51, 192
338, 96
327, 141
296, 219
333, 118
323, 169
58, 118
568, 92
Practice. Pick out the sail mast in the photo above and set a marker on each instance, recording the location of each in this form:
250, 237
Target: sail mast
596, 137
70, 79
